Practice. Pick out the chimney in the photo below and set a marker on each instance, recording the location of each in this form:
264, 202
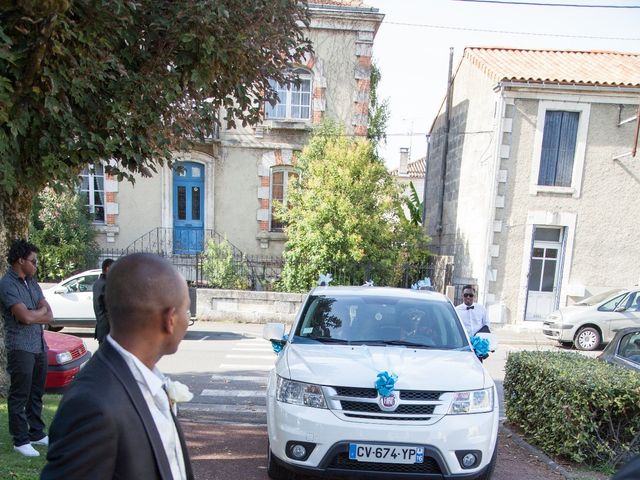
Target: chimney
404, 160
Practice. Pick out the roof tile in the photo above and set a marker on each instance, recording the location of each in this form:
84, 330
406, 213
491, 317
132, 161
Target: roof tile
572, 67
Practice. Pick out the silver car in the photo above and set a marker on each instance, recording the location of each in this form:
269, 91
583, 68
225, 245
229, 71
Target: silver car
594, 321
72, 301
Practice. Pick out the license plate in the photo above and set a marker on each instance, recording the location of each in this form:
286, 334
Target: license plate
385, 453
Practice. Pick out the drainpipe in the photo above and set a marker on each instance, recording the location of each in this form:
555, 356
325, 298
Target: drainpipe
445, 149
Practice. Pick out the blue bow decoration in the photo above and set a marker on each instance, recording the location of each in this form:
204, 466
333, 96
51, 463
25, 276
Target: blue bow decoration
480, 346
385, 383
277, 347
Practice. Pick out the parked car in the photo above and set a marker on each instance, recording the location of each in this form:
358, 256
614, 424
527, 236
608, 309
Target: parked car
593, 321
329, 408
67, 355
624, 349
72, 301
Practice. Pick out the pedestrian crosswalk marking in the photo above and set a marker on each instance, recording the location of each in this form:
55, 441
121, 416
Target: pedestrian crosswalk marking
245, 366
238, 378
253, 357
232, 393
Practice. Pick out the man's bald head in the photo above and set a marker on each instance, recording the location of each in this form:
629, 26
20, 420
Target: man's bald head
140, 286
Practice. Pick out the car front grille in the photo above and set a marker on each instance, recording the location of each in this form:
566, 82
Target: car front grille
341, 461
361, 404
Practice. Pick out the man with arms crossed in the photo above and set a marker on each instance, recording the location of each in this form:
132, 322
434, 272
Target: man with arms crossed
115, 420
24, 311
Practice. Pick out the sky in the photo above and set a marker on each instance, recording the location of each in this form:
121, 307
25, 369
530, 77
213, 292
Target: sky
412, 48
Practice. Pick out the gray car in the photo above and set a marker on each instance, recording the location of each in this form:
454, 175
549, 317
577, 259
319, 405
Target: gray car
594, 321
624, 349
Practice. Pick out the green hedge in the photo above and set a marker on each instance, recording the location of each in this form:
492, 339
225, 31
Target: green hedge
574, 406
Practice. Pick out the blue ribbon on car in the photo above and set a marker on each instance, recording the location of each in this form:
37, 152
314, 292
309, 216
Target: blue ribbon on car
277, 347
385, 383
480, 346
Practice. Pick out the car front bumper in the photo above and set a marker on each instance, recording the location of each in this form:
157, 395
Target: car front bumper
558, 331
330, 437
59, 376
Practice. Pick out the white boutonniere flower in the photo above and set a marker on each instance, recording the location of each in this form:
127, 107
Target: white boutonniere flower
178, 392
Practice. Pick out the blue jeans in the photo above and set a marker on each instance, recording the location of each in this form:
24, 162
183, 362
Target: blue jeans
28, 373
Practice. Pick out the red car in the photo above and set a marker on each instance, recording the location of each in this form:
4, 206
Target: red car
67, 355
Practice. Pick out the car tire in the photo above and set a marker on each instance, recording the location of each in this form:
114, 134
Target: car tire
488, 471
52, 328
587, 338
274, 469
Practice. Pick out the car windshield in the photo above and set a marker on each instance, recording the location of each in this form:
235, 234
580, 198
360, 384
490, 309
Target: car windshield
352, 320
600, 297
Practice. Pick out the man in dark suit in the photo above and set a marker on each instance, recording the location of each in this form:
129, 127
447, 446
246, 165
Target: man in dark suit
99, 303
115, 420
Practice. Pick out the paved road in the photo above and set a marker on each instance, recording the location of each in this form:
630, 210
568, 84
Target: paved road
225, 366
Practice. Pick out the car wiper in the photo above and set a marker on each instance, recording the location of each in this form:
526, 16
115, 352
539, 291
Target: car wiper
329, 340
407, 343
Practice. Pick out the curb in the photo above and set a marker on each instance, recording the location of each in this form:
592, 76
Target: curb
538, 453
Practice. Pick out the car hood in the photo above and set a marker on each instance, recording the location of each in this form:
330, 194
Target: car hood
568, 313
359, 365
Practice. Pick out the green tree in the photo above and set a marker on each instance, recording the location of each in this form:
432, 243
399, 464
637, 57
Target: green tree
343, 214
82, 81
221, 270
62, 231
378, 110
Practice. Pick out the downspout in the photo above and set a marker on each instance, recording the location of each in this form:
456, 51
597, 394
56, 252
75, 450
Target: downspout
445, 149
424, 185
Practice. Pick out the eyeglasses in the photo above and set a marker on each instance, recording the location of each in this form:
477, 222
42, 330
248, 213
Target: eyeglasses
33, 261
468, 295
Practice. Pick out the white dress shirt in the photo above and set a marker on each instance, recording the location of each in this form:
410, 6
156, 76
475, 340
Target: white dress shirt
473, 318
151, 384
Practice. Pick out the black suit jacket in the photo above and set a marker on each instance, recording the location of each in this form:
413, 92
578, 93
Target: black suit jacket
100, 309
103, 428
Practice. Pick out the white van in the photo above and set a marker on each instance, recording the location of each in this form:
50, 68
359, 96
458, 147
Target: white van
378, 383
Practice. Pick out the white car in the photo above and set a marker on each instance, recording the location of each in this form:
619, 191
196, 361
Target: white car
72, 301
378, 383
595, 320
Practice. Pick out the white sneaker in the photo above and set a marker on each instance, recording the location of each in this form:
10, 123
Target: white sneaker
43, 441
27, 450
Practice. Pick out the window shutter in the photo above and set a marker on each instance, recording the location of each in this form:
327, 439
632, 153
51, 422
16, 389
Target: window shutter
550, 141
567, 148
558, 148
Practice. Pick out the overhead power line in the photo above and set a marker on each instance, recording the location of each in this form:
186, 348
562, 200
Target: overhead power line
508, 32
541, 4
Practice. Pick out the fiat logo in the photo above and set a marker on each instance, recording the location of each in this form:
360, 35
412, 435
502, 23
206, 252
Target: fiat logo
389, 403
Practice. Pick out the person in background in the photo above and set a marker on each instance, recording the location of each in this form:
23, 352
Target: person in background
25, 311
473, 315
99, 305
115, 420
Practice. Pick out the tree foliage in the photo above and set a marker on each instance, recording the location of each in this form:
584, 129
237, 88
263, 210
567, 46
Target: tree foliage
378, 110
221, 270
343, 214
413, 205
63, 233
130, 81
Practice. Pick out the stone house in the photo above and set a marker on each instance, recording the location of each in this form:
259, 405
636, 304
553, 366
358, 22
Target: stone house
228, 187
532, 180
410, 171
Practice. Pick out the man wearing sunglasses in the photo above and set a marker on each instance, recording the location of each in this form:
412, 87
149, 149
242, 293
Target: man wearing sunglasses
473, 315
25, 311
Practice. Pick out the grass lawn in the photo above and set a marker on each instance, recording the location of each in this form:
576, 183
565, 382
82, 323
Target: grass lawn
14, 466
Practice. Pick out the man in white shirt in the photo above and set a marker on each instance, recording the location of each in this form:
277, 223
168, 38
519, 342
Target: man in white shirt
473, 315
115, 420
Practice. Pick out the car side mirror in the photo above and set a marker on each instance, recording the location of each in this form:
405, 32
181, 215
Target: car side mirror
273, 331
619, 309
60, 290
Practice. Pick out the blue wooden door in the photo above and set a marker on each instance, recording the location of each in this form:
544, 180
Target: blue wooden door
188, 211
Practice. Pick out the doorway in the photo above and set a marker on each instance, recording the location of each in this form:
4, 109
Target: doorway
544, 272
188, 215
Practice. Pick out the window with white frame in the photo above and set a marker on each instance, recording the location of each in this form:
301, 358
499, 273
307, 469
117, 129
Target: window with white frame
294, 99
281, 178
559, 147
92, 191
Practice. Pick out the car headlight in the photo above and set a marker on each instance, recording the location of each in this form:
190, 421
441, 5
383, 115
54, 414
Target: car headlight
474, 401
300, 393
63, 357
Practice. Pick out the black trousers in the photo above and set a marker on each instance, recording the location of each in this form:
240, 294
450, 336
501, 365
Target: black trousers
28, 373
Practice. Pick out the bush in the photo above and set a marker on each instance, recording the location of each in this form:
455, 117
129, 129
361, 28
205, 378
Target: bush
221, 270
62, 231
574, 406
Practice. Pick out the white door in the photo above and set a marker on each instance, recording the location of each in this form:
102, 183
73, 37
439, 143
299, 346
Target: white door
544, 281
